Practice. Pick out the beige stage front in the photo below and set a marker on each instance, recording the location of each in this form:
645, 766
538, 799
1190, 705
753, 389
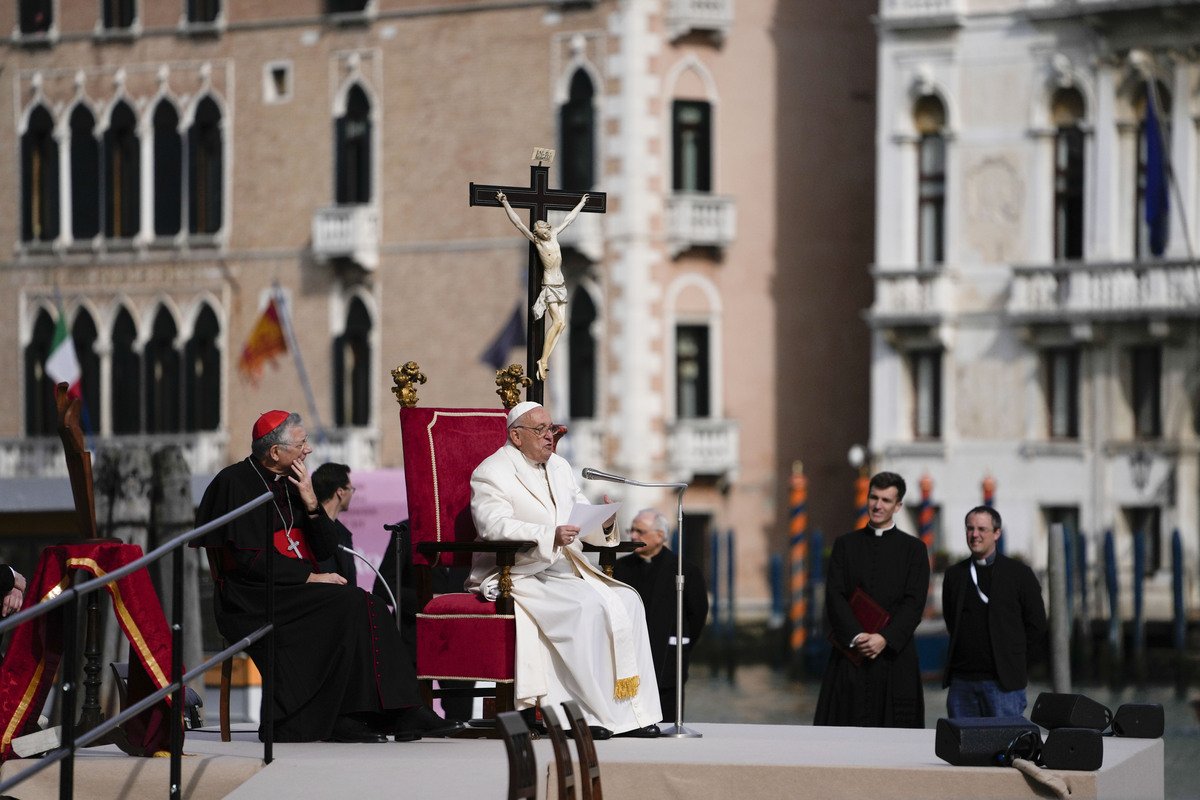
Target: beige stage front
730, 762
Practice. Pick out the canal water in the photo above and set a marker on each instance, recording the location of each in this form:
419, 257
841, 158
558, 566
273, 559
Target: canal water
760, 694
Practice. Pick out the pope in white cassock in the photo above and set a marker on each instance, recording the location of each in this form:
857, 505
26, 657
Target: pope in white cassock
580, 634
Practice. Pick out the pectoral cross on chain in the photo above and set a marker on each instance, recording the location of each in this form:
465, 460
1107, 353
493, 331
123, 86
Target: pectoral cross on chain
293, 546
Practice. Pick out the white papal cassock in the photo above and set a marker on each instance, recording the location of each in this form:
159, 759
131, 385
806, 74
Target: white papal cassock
580, 634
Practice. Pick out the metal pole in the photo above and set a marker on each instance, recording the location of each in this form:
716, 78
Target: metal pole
1060, 626
678, 731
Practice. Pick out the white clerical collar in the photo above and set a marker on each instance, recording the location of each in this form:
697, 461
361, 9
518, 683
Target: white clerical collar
881, 531
986, 562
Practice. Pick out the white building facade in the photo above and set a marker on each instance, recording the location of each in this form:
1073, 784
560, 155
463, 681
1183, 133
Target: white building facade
1023, 327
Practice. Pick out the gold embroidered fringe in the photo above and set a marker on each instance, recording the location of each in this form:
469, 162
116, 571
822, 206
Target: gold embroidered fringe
626, 688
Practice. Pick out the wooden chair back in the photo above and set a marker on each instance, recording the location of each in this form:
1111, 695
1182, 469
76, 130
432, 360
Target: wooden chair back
522, 763
589, 765
562, 754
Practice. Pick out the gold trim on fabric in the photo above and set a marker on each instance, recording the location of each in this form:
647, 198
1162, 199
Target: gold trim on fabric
466, 616
134, 633
626, 688
437, 516
19, 715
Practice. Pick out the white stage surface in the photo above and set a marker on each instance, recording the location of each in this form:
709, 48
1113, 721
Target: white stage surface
729, 762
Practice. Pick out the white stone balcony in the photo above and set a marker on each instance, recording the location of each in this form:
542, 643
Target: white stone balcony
911, 296
42, 457
1086, 292
347, 231
709, 16
700, 220
358, 447
702, 447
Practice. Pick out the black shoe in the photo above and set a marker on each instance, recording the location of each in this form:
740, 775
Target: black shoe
419, 721
598, 733
352, 731
648, 732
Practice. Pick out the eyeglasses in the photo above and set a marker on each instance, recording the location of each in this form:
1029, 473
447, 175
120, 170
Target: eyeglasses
302, 443
350, 489
540, 430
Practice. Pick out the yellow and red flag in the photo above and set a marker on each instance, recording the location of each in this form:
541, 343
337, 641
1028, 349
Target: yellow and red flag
265, 343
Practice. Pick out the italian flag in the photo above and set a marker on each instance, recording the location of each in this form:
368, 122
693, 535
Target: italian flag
62, 365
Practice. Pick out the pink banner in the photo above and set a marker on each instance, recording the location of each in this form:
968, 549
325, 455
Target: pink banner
380, 498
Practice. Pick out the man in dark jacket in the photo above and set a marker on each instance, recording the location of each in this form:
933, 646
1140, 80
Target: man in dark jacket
651, 570
997, 622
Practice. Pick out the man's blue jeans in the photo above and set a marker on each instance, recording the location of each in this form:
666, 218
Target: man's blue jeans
983, 699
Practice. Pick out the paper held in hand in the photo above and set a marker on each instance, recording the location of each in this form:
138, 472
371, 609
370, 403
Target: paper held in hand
589, 518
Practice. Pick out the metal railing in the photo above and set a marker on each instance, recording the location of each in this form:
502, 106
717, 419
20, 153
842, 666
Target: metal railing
68, 668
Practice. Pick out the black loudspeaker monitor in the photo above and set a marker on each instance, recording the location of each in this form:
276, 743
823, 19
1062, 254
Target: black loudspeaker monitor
1052, 711
1139, 721
1073, 748
983, 742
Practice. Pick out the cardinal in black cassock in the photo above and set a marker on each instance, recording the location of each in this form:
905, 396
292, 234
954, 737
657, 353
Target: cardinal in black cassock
892, 568
341, 671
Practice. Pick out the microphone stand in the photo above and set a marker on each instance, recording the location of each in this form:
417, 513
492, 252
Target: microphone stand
676, 731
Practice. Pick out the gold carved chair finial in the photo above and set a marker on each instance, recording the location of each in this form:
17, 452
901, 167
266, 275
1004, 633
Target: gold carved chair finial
511, 380
406, 378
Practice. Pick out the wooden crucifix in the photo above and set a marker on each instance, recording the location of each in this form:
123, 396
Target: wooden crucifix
544, 255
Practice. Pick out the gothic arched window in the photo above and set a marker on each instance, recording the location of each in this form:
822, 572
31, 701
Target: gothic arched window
41, 415
168, 171
126, 376
352, 369
39, 179
85, 334
353, 169
122, 172
205, 165
582, 355
202, 375
577, 132
162, 376
929, 116
85, 175
1067, 113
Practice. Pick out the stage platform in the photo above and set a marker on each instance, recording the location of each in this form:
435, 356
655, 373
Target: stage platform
729, 762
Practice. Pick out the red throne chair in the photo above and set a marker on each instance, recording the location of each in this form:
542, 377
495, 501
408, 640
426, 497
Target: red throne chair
461, 636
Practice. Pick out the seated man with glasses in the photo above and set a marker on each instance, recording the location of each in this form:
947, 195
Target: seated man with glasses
331, 483
341, 672
580, 634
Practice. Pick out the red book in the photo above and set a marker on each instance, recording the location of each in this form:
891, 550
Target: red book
873, 618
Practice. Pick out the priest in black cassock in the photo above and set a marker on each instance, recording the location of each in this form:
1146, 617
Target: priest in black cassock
341, 672
651, 570
892, 568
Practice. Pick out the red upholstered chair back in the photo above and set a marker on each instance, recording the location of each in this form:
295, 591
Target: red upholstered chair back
442, 447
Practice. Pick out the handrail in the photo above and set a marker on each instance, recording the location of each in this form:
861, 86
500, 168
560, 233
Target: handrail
68, 667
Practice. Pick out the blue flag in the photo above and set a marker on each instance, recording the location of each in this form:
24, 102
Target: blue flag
512, 335
1157, 205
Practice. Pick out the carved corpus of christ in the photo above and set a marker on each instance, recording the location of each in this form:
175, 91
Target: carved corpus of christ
552, 300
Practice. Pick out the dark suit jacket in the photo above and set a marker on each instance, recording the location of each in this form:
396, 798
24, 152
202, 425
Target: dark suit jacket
1016, 617
7, 579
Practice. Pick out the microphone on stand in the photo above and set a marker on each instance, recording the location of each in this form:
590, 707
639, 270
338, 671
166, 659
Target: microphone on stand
590, 474
596, 475
676, 731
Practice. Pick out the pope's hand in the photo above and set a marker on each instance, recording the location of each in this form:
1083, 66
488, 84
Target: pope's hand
326, 577
565, 534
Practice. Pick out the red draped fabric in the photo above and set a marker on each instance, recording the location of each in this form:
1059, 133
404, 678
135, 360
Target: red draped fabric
36, 648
